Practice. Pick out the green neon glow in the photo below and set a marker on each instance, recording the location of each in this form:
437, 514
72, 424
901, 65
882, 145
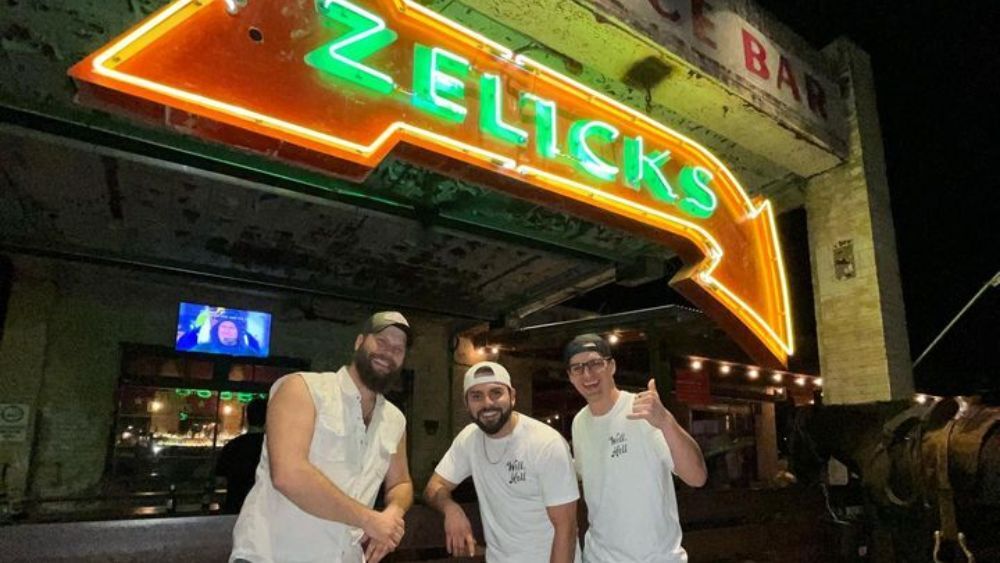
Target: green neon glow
546, 142
226, 395
579, 133
342, 57
642, 168
182, 416
491, 112
183, 392
203, 394
262, 395
432, 87
700, 200
244, 397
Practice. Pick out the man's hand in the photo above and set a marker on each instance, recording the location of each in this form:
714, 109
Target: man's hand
376, 551
385, 528
689, 464
458, 533
647, 406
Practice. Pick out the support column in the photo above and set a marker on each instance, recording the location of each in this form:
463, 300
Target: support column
860, 320
22, 365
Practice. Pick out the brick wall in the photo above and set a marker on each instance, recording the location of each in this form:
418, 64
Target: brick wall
861, 322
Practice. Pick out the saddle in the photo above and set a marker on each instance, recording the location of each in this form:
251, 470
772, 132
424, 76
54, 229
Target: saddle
931, 444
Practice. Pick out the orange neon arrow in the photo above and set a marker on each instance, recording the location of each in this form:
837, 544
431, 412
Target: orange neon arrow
239, 76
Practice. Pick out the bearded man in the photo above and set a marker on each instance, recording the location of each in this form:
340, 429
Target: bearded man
331, 441
523, 474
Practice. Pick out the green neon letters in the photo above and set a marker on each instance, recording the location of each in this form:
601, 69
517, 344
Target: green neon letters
700, 201
645, 169
342, 58
491, 115
579, 134
434, 90
439, 80
546, 136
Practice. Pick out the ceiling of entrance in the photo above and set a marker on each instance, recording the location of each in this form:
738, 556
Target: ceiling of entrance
493, 254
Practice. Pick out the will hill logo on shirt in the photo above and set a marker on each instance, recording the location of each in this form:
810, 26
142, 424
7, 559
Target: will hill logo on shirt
619, 444
516, 472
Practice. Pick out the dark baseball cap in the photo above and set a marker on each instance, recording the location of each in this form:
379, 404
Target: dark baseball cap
383, 320
586, 343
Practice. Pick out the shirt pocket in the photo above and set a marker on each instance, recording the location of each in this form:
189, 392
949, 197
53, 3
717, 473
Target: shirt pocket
331, 443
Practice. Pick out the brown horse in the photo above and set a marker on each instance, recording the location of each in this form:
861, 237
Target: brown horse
929, 475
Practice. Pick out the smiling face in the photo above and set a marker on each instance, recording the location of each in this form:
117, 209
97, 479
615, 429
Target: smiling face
379, 357
490, 406
593, 376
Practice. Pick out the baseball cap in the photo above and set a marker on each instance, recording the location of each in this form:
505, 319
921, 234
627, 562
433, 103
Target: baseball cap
586, 343
383, 320
486, 372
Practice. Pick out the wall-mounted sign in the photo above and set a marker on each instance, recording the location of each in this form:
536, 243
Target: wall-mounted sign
14, 422
722, 42
341, 83
693, 387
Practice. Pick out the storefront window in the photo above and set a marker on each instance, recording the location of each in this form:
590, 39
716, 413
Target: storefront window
170, 435
726, 435
175, 412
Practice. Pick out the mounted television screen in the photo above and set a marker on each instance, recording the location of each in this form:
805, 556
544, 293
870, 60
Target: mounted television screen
217, 330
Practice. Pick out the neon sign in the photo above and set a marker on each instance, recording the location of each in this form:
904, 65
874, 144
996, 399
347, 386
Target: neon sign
349, 81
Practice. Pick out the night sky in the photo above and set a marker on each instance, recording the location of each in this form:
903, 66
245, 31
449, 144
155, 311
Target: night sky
937, 73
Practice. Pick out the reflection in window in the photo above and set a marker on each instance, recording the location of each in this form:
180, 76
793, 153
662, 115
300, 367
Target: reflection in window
171, 435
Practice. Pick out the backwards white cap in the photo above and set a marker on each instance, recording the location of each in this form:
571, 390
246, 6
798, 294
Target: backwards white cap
486, 372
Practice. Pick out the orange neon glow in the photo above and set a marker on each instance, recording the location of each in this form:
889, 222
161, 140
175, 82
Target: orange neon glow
195, 57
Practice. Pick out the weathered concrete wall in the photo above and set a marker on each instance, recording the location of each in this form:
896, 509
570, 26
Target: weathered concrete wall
861, 322
429, 413
61, 355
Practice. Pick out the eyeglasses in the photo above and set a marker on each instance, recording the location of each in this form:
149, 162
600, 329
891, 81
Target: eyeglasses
596, 364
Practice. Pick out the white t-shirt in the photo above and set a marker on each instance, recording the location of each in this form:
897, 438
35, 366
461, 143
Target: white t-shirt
516, 478
626, 466
271, 528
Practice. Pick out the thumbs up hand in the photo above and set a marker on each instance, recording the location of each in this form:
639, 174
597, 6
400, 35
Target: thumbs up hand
647, 406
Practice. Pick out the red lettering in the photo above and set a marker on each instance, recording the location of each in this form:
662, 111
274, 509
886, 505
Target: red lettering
755, 56
702, 25
672, 15
816, 96
785, 76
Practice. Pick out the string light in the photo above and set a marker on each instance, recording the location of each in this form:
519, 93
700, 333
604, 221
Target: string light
494, 349
920, 398
800, 381
776, 377
227, 410
818, 382
612, 339
753, 373
155, 406
696, 365
725, 369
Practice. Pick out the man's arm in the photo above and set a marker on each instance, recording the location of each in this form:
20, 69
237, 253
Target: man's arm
689, 463
398, 497
563, 518
457, 529
291, 420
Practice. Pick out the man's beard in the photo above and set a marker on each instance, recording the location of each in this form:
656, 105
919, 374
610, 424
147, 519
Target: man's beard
370, 377
492, 427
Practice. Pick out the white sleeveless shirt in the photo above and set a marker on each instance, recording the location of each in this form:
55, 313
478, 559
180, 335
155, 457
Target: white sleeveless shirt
271, 528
